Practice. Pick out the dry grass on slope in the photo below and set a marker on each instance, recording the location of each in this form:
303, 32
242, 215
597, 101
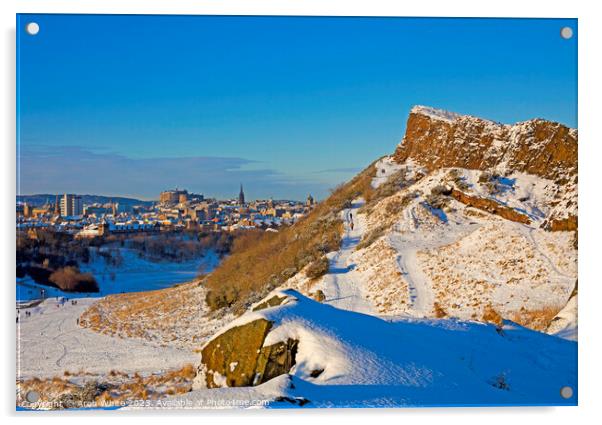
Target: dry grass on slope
499, 267
80, 390
538, 319
176, 315
385, 286
262, 262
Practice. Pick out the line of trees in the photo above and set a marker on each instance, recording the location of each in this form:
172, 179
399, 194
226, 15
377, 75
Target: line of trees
53, 258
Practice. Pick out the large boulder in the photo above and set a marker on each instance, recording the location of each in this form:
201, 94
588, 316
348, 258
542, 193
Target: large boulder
237, 357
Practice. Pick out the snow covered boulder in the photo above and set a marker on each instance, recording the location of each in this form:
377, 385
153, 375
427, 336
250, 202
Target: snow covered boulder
238, 356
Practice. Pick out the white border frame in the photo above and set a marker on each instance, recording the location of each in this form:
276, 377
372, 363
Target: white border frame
590, 155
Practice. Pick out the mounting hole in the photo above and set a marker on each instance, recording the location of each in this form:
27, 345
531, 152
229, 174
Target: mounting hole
32, 28
566, 392
566, 33
32, 396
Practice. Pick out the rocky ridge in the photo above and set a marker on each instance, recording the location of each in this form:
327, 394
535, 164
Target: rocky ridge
438, 139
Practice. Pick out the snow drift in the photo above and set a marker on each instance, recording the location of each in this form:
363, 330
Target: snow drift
344, 358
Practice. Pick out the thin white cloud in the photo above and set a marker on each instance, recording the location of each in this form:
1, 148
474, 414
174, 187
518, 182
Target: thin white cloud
49, 169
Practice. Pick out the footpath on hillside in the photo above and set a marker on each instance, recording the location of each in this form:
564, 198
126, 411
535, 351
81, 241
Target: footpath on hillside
340, 288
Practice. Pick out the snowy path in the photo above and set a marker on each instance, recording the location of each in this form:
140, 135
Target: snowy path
407, 244
341, 289
419, 291
528, 231
50, 342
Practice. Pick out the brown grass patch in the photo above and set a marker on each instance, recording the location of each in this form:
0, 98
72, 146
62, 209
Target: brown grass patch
317, 268
255, 268
154, 315
538, 319
116, 388
490, 315
439, 311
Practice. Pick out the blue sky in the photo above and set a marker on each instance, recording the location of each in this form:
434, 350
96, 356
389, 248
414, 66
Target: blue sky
131, 105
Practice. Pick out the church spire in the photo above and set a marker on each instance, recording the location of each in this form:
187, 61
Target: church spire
241, 196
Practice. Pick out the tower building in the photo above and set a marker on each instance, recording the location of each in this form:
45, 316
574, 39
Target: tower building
57, 206
241, 196
310, 201
71, 205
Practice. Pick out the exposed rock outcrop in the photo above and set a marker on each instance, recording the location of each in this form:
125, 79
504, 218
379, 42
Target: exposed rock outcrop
437, 139
271, 302
345, 357
490, 206
237, 357
562, 225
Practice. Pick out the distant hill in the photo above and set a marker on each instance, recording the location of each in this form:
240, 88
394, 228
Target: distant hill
41, 199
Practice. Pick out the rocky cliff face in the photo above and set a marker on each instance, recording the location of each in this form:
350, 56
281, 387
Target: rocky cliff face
436, 139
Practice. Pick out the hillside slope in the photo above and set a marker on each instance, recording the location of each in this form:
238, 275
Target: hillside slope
458, 242
348, 359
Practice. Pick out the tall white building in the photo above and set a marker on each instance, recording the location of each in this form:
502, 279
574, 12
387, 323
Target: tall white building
71, 205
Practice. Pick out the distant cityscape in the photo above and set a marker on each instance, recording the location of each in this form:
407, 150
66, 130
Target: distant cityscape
177, 209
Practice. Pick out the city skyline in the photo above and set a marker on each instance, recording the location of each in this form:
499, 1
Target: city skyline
289, 105
115, 198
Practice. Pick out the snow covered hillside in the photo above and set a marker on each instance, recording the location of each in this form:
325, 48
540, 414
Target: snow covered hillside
50, 342
348, 359
453, 261
455, 242
452, 257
